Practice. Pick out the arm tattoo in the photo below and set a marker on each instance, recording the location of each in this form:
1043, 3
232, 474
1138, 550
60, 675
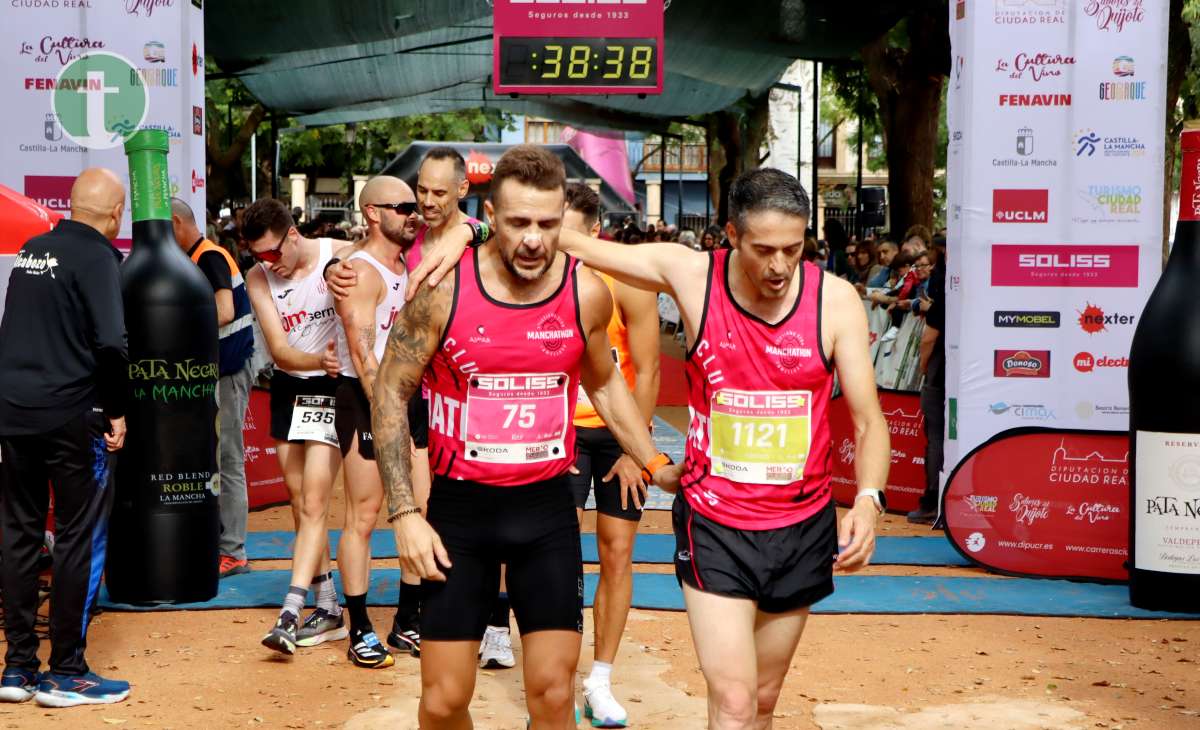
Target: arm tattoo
410, 346
366, 343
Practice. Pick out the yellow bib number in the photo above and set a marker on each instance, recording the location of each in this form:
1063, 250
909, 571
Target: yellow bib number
760, 437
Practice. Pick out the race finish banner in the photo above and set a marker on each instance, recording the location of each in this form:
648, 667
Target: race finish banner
906, 426
82, 75
554, 47
1055, 202
1043, 502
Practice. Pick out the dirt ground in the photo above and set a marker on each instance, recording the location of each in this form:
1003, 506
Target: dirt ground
206, 669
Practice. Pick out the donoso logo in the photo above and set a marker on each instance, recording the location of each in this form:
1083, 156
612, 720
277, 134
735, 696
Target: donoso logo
1021, 364
1020, 206
1061, 265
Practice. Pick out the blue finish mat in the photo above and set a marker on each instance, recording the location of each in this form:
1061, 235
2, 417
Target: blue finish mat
854, 594
653, 548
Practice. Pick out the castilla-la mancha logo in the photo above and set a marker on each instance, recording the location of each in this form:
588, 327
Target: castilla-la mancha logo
100, 100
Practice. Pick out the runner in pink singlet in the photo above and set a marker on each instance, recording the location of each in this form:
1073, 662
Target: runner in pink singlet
757, 538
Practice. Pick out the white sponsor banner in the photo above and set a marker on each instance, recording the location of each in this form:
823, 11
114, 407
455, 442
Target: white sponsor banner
1055, 113
164, 42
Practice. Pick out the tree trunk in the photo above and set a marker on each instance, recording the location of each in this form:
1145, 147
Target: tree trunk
226, 178
1179, 58
739, 133
908, 85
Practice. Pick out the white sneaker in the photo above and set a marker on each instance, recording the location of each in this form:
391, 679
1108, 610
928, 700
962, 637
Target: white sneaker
891, 334
600, 706
496, 650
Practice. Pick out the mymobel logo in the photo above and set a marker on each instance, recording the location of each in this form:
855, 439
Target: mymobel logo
1027, 319
99, 100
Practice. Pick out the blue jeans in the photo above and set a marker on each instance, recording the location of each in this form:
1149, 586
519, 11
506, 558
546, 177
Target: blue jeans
233, 396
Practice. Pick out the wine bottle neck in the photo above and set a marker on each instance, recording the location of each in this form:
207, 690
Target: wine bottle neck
149, 186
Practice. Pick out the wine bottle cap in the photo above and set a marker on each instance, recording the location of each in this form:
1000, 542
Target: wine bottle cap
149, 140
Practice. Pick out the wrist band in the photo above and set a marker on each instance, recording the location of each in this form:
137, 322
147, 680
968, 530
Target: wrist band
406, 511
480, 232
329, 263
659, 461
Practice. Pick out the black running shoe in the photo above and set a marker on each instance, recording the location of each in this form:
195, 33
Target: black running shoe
322, 626
406, 640
282, 638
366, 651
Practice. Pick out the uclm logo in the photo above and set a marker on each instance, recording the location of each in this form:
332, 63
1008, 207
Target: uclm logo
1021, 364
1063, 265
1020, 206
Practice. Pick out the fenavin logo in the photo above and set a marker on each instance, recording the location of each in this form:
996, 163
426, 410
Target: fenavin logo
99, 100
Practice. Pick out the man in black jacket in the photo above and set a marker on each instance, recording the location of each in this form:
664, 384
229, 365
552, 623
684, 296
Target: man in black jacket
63, 391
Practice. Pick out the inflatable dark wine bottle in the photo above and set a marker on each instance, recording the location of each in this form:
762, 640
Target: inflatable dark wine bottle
165, 522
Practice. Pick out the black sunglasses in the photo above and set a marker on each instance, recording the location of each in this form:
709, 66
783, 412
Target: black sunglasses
401, 208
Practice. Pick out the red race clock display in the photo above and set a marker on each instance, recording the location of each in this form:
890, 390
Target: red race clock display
580, 47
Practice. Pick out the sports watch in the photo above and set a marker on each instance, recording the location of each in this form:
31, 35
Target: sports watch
877, 496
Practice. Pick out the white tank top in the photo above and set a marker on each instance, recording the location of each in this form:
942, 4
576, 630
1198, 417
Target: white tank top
385, 312
305, 308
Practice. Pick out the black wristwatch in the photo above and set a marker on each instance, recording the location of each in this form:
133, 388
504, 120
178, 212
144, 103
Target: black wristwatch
480, 232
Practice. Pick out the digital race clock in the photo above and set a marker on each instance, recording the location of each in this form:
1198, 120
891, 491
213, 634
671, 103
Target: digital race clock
578, 47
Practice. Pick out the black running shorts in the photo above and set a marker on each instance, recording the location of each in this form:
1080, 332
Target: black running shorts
284, 389
532, 529
596, 450
418, 421
783, 569
354, 417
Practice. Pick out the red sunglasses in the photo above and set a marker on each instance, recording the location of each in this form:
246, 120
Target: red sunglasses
271, 255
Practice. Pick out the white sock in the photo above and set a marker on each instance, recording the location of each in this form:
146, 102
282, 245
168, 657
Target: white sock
601, 671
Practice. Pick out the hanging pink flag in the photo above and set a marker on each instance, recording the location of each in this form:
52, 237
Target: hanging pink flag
605, 152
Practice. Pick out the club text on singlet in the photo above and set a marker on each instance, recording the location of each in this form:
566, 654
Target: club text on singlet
385, 312
503, 383
305, 308
758, 443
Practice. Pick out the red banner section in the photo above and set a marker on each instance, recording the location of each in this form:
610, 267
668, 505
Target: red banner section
1044, 503
264, 479
906, 478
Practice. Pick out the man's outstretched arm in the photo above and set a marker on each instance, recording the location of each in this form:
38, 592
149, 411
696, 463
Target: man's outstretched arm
411, 345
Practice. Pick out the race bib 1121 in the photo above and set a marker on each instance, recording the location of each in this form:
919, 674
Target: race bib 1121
760, 437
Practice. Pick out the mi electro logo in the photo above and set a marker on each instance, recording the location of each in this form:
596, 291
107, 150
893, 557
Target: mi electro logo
1020, 206
1027, 319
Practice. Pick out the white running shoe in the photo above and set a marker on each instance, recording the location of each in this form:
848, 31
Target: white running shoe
496, 650
600, 706
891, 334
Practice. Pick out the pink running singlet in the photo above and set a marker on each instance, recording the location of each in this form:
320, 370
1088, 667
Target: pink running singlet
758, 445
504, 382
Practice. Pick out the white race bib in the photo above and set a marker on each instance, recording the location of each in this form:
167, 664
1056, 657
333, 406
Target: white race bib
313, 420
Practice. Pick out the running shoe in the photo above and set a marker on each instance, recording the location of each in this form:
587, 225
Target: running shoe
366, 651
496, 650
322, 626
18, 685
406, 640
232, 566
600, 706
60, 690
282, 638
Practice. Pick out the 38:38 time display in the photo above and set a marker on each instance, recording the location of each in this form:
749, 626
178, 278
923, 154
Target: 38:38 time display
578, 61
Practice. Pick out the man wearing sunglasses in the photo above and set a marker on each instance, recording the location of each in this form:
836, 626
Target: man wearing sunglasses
298, 321
366, 317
